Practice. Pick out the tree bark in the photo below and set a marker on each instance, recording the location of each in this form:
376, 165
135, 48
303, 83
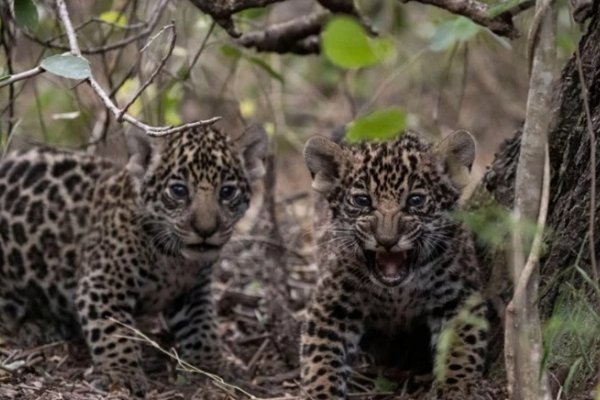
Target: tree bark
568, 218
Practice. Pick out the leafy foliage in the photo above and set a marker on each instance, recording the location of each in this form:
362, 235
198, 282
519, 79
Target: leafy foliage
114, 17
379, 125
492, 225
26, 14
236, 54
67, 66
452, 32
346, 44
571, 334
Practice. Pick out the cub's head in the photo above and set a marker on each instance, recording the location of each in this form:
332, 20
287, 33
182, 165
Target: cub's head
194, 186
389, 201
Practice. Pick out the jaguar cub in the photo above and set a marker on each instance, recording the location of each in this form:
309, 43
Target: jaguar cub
87, 245
393, 260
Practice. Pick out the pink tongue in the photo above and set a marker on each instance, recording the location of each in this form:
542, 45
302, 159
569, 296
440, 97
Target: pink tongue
390, 263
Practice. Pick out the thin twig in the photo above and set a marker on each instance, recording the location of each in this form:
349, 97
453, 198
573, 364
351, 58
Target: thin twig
385, 84
221, 11
184, 365
21, 75
479, 13
108, 103
10, 134
160, 66
68, 25
199, 52
536, 246
289, 36
150, 26
463, 84
5, 38
590, 128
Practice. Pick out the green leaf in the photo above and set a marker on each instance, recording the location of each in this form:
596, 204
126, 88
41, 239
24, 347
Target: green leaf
465, 29
379, 125
501, 8
453, 31
571, 375
26, 15
346, 44
252, 13
114, 17
235, 53
67, 66
443, 37
230, 51
4, 77
262, 64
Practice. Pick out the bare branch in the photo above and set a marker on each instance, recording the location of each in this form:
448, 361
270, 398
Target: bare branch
6, 41
523, 341
108, 103
340, 6
221, 11
68, 25
300, 35
199, 52
480, 13
160, 66
518, 8
536, 246
582, 10
348, 7
149, 27
287, 36
21, 75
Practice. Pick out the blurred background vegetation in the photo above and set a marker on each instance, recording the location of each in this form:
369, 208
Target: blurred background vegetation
438, 72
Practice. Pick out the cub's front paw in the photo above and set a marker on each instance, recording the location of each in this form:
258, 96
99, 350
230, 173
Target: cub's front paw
135, 382
234, 369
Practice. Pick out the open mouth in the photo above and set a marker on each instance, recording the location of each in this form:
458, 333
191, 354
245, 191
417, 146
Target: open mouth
389, 268
202, 247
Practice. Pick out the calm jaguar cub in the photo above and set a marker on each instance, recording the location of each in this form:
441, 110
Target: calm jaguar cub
393, 260
85, 242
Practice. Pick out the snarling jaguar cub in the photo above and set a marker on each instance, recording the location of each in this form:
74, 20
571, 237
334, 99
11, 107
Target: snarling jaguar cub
394, 259
87, 245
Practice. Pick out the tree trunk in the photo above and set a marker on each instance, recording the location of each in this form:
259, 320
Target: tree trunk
569, 210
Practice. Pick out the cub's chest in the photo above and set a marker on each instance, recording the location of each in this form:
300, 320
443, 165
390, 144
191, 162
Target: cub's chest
394, 310
168, 279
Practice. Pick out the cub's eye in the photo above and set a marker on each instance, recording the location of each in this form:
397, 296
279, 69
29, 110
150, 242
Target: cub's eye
178, 191
415, 200
362, 200
227, 192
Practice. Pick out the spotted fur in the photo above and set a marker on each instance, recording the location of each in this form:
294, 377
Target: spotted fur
393, 261
85, 242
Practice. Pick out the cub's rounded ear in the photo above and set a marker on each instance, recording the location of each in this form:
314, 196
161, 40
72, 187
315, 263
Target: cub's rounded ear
253, 147
457, 151
141, 147
458, 147
324, 159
